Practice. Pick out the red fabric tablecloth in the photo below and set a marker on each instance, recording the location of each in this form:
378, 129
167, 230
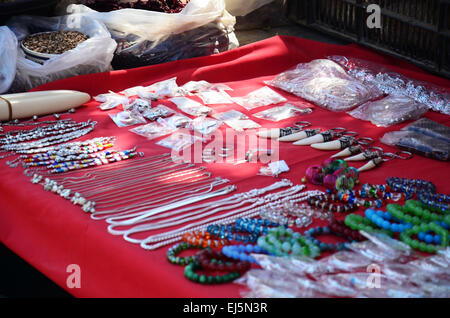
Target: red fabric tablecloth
50, 233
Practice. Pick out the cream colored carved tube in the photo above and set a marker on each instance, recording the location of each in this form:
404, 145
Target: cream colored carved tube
352, 150
26, 105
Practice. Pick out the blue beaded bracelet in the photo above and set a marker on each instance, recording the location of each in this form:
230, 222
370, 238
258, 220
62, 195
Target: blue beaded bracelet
255, 226
228, 232
430, 238
386, 221
242, 252
325, 230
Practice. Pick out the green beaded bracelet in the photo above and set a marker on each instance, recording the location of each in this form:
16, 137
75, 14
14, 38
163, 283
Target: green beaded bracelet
422, 211
405, 236
177, 249
189, 273
360, 223
285, 242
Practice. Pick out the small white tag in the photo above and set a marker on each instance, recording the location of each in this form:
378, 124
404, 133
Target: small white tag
278, 167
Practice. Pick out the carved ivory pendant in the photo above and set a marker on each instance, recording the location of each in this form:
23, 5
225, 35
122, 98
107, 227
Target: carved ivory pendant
277, 132
371, 164
352, 150
299, 135
366, 155
341, 143
323, 137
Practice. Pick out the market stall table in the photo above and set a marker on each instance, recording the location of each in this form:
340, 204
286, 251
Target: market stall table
51, 234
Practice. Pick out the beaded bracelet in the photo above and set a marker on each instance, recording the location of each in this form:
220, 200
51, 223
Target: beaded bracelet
435, 201
178, 248
409, 186
429, 238
254, 226
350, 197
228, 232
323, 202
204, 239
312, 232
212, 260
422, 246
382, 219
242, 252
357, 222
284, 242
189, 273
339, 227
418, 209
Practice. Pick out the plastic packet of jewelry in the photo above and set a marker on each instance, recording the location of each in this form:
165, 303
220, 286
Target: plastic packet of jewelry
374, 252
214, 97
166, 88
127, 118
326, 84
392, 246
435, 264
111, 100
159, 111
298, 265
236, 120
190, 106
133, 91
282, 112
388, 111
179, 141
273, 169
204, 125
176, 121
263, 96
418, 143
430, 128
390, 82
339, 262
201, 86
139, 105
153, 130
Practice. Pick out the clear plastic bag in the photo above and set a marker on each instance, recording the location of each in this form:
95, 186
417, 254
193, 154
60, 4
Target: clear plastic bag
430, 128
179, 141
190, 106
153, 130
111, 100
214, 97
263, 96
159, 111
204, 125
236, 120
326, 84
390, 82
138, 105
127, 118
147, 37
283, 112
391, 110
8, 58
91, 56
176, 121
202, 86
418, 143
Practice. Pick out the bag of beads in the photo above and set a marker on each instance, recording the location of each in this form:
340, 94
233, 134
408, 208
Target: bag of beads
326, 84
391, 110
430, 128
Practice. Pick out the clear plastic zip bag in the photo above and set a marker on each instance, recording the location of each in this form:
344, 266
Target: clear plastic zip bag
190, 107
263, 96
202, 86
236, 120
160, 90
391, 110
127, 118
176, 121
326, 84
153, 130
138, 105
283, 112
214, 97
111, 100
418, 143
430, 128
204, 125
159, 111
